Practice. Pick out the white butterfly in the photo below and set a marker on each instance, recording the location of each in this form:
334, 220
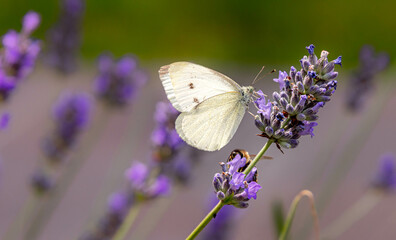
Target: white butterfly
211, 103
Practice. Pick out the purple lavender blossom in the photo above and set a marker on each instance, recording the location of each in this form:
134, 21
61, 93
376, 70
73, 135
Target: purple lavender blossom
118, 82
165, 139
385, 177
4, 120
138, 176
362, 81
232, 186
294, 110
281, 79
72, 114
19, 54
64, 39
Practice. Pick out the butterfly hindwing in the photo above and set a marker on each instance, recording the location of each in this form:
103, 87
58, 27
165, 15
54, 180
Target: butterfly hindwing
212, 123
188, 84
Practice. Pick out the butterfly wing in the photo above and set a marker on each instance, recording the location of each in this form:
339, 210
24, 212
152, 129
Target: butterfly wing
188, 84
212, 123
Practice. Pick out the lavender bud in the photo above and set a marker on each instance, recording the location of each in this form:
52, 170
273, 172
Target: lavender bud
259, 124
269, 131
242, 205
300, 87
294, 97
220, 195
293, 72
300, 117
279, 133
330, 76
299, 77
328, 68
226, 185
293, 143
283, 103
217, 184
289, 108
277, 97
285, 144
312, 117
308, 81
284, 95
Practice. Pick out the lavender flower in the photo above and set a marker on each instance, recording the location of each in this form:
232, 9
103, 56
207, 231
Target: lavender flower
385, 178
72, 115
232, 186
4, 120
64, 39
19, 54
165, 139
118, 82
143, 185
294, 110
362, 81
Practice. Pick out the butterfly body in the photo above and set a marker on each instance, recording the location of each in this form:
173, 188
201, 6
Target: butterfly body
212, 105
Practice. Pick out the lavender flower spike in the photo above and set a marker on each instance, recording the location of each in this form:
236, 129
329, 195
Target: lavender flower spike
18, 55
385, 178
294, 110
232, 186
118, 81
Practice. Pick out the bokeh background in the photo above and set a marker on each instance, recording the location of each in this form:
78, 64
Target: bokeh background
235, 38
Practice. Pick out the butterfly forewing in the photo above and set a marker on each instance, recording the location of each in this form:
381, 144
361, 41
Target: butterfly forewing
188, 84
211, 124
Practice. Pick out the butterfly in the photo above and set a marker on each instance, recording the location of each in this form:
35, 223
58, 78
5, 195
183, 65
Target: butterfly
212, 105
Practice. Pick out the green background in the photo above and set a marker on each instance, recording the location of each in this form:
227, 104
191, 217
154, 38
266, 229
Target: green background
242, 32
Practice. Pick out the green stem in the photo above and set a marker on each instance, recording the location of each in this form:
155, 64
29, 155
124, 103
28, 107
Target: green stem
205, 221
258, 157
292, 211
127, 223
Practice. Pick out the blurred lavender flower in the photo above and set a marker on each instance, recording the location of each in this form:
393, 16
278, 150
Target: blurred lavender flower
142, 187
232, 186
385, 178
118, 82
4, 120
18, 55
294, 111
72, 114
65, 37
165, 139
362, 82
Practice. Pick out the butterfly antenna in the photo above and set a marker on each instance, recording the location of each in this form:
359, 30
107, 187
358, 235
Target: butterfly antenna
251, 114
272, 71
258, 74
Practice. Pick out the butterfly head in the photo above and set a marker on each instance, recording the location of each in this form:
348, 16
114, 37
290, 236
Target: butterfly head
247, 93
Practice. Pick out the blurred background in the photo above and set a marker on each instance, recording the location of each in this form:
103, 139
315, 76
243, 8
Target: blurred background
237, 38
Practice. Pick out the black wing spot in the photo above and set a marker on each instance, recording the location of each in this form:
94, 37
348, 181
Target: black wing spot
191, 85
196, 100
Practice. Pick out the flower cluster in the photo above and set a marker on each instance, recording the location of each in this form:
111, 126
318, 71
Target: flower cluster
18, 55
118, 82
72, 115
142, 186
294, 110
64, 38
362, 81
169, 154
385, 178
232, 186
